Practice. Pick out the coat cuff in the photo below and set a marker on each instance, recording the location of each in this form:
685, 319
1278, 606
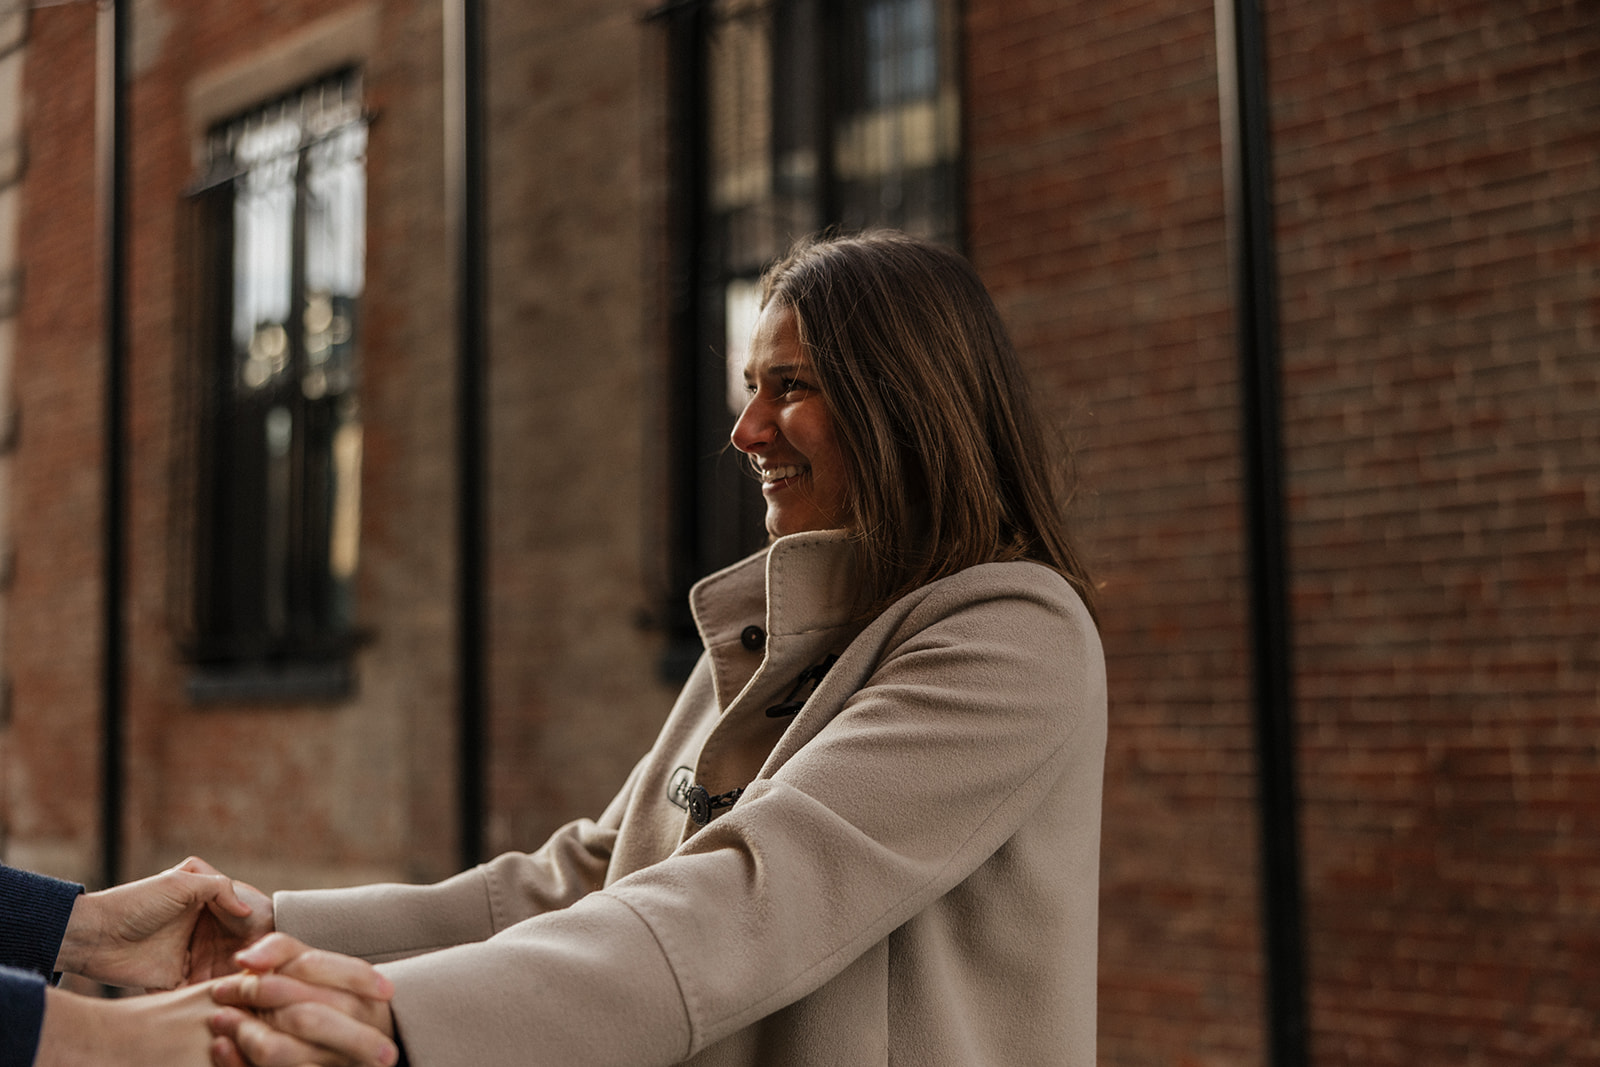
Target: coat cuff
588, 984
388, 922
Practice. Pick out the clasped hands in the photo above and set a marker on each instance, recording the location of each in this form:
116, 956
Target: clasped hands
266, 999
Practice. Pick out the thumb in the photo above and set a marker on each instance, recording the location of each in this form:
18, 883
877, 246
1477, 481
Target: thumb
227, 897
270, 953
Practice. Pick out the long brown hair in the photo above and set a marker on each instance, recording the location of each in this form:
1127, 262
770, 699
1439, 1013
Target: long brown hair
949, 466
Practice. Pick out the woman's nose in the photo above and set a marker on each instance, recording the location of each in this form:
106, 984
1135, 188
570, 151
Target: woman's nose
753, 430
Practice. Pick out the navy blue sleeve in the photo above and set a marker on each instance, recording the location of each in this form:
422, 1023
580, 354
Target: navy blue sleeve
21, 1015
34, 911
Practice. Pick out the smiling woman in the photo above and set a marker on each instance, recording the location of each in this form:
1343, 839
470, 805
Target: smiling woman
945, 464
869, 830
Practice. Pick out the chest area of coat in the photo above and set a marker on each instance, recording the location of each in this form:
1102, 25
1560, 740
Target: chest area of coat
706, 758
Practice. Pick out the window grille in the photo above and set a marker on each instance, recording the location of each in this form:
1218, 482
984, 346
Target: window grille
278, 251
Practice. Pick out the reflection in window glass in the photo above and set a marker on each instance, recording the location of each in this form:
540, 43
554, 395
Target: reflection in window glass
902, 51
743, 298
897, 137
825, 114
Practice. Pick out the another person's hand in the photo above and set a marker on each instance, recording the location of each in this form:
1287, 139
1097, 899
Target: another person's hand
219, 935
141, 933
297, 1005
158, 1030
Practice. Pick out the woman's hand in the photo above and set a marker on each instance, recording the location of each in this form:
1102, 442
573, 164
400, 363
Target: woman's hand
297, 1005
143, 933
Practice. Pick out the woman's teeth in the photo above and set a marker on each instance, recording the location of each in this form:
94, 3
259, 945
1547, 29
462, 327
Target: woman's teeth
778, 474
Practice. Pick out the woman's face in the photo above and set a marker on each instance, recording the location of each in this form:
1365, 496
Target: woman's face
787, 429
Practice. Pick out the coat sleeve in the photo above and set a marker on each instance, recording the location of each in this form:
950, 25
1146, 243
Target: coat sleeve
985, 701
389, 922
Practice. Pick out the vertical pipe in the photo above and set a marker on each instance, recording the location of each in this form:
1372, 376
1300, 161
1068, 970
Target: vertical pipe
111, 149
1242, 85
464, 195
685, 24
830, 30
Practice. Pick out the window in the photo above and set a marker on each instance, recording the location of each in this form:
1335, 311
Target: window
788, 116
279, 220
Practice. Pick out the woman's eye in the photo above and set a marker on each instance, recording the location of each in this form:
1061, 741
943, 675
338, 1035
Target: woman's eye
793, 385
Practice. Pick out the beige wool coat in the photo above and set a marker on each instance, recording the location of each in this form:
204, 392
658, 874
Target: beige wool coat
909, 875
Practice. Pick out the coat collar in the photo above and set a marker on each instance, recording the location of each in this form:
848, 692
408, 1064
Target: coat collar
799, 589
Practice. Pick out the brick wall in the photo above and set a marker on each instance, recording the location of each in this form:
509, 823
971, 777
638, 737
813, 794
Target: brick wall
297, 793
52, 624
575, 388
1437, 190
1439, 195
280, 793
1096, 216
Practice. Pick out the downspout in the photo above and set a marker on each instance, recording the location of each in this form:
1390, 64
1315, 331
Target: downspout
684, 22
1247, 165
111, 150
464, 195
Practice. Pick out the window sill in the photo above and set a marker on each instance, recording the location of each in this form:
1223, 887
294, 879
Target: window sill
291, 683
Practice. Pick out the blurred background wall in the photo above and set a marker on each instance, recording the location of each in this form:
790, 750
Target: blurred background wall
291, 608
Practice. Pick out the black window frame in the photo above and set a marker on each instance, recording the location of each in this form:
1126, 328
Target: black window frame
267, 607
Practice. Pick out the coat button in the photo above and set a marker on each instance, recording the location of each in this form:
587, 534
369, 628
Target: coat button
753, 638
699, 799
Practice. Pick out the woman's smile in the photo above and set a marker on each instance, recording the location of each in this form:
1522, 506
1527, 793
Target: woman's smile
772, 477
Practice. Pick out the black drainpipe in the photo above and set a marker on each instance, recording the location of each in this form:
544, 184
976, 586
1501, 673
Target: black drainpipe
1247, 163
684, 23
464, 182
112, 150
